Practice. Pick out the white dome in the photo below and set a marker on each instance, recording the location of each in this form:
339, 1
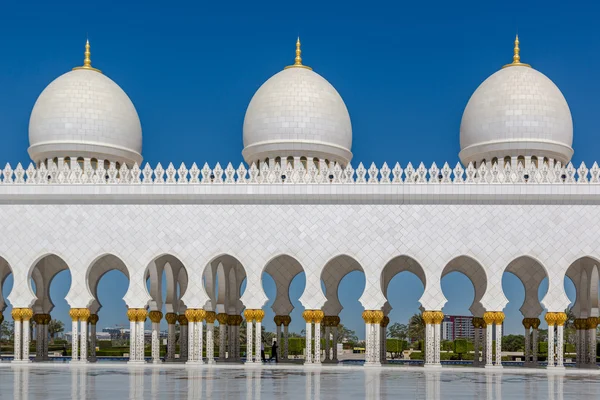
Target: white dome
297, 113
516, 112
85, 114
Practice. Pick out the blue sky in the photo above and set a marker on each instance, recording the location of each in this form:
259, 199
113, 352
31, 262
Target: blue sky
405, 71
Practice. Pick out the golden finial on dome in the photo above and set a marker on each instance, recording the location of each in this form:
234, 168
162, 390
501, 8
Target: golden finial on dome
298, 59
87, 61
516, 56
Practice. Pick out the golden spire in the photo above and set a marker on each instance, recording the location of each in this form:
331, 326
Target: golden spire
87, 61
298, 59
516, 56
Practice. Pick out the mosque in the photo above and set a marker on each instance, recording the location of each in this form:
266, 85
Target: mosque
514, 204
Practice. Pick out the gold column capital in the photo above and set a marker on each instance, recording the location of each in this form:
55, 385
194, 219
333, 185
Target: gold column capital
427, 317
499, 317
84, 314
249, 315
593, 322
385, 322
308, 316
438, 317
526, 323
535, 323
318, 316
93, 319
489, 317
222, 318
171, 318
550, 318
210, 317
74, 314
137, 314
182, 319
286, 320
561, 318
155, 316
195, 314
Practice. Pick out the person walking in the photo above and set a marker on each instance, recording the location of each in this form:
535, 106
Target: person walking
262, 351
274, 349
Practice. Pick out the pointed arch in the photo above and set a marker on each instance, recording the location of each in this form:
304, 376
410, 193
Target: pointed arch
531, 272
283, 269
332, 274
5, 272
475, 272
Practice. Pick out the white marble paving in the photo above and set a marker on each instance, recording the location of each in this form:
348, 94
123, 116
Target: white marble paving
118, 381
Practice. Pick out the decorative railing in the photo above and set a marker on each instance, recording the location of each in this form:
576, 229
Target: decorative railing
297, 173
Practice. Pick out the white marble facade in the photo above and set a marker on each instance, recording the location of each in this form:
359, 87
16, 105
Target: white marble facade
210, 229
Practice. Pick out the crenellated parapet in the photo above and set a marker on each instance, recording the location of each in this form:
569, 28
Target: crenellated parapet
296, 171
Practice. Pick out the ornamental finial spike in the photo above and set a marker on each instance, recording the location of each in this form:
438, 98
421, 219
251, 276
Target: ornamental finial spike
87, 61
298, 59
516, 56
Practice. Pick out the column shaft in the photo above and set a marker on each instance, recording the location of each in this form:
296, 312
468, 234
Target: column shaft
317, 355
17, 340
75, 340
308, 347
258, 342
249, 340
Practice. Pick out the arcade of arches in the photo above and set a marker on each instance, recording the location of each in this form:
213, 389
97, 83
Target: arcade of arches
223, 279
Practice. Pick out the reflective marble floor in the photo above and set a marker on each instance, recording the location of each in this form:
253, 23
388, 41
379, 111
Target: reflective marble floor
118, 381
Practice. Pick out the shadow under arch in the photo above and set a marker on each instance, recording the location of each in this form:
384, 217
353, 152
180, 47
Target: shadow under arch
283, 269
41, 275
531, 273
331, 276
5, 272
223, 280
97, 269
175, 282
584, 274
474, 271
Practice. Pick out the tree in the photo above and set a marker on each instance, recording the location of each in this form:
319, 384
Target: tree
513, 343
55, 326
398, 331
460, 347
416, 328
7, 330
346, 334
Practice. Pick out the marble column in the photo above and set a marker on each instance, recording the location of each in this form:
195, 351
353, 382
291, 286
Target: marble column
286, 320
592, 327
318, 318
432, 321
211, 317
74, 314
335, 323
579, 349
171, 339
551, 320
84, 316
438, 317
561, 318
258, 317
535, 324
278, 323
93, 323
327, 325
222, 318
483, 340
39, 331
47, 319
373, 320
383, 334
183, 337
21, 316
308, 318
249, 316
527, 352
195, 318
136, 315
140, 336
499, 319
156, 317
489, 317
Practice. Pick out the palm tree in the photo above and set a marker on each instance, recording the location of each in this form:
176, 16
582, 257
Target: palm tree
55, 326
416, 327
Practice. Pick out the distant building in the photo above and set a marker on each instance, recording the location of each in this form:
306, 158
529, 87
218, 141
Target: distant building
458, 327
